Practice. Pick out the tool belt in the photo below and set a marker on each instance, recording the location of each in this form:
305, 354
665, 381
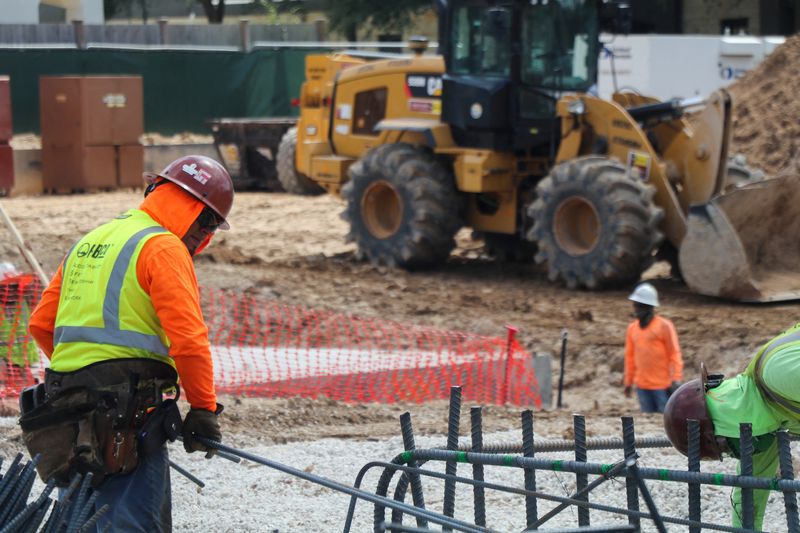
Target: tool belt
100, 419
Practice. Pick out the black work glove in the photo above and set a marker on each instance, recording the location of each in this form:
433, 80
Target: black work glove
202, 423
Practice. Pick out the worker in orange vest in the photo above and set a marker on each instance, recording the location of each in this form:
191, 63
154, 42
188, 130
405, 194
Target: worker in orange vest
653, 361
120, 322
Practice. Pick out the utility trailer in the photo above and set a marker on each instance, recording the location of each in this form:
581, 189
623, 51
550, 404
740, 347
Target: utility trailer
248, 148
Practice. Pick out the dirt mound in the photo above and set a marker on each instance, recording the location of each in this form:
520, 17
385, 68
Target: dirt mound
765, 126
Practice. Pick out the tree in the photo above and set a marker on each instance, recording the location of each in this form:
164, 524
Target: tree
348, 15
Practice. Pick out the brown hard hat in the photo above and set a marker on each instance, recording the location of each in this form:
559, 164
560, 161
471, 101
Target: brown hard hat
204, 178
689, 403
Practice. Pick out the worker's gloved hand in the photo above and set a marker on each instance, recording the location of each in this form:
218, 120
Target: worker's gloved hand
202, 423
628, 391
673, 387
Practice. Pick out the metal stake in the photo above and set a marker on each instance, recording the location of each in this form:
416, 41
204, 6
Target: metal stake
561, 369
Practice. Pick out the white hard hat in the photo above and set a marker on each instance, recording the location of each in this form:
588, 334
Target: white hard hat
645, 293
7, 270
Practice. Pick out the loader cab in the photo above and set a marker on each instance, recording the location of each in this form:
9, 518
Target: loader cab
507, 64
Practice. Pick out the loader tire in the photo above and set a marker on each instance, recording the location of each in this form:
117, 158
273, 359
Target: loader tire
402, 206
594, 225
291, 180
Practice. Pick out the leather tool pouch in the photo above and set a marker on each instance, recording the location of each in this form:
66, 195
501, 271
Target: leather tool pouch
52, 431
90, 425
162, 425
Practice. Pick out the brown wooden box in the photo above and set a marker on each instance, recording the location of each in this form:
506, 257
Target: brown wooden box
6, 169
5, 110
131, 165
91, 110
75, 167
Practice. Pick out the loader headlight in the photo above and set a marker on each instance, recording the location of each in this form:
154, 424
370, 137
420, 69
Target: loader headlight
576, 107
476, 110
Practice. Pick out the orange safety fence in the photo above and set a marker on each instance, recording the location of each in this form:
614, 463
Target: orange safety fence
267, 349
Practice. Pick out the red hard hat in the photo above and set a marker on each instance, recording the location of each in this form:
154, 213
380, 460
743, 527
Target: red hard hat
204, 178
689, 403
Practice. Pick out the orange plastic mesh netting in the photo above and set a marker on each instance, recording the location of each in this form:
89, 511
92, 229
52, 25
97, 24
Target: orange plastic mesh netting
264, 348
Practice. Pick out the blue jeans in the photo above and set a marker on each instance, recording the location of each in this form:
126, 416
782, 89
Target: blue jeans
140, 501
652, 401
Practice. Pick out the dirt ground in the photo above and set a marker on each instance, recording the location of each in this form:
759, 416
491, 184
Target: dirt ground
292, 249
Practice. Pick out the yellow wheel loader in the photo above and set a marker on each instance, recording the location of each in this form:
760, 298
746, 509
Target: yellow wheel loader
502, 133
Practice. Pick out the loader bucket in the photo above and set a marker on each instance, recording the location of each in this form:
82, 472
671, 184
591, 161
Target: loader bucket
745, 245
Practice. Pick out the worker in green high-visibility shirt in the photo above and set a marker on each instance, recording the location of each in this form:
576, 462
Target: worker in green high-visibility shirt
766, 395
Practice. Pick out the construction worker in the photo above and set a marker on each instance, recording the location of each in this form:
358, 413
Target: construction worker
653, 361
120, 321
765, 395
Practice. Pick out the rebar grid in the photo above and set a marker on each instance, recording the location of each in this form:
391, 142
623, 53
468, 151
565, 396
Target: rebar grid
409, 465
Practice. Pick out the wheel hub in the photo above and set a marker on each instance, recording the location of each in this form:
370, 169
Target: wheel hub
382, 209
576, 226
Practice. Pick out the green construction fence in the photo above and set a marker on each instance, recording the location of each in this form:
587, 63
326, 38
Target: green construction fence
183, 89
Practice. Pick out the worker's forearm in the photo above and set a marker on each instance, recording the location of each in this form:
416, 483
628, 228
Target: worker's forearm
43, 338
197, 380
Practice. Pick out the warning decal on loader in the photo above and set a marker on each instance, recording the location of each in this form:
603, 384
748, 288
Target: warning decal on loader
639, 165
423, 85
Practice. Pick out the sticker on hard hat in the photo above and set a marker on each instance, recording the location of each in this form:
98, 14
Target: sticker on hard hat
197, 173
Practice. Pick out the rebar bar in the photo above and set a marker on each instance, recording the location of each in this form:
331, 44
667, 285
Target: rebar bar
476, 433
18, 522
19, 493
453, 423
633, 468
693, 454
746, 466
581, 480
629, 450
564, 445
787, 472
417, 495
531, 511
662, 474
185, 473
43, 513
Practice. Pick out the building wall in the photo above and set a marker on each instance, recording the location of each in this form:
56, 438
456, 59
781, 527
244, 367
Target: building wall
89, 11
706, 16
19, 12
